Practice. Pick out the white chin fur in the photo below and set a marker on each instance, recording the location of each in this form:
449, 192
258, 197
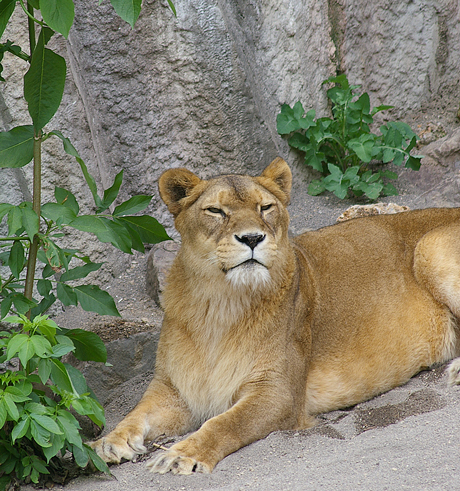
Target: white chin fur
254, 276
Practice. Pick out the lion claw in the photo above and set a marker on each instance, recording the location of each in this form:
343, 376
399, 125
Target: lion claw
172, 461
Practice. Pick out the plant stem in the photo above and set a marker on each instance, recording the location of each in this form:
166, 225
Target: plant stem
12, 239
36, 204
31, 23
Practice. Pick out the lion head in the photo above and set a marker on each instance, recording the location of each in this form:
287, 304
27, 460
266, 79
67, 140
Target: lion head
234, 228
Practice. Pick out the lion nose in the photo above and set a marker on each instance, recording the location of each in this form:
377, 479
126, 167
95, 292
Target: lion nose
250, 240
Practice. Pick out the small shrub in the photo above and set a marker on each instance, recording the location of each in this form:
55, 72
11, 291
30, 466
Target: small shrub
343, 147
35, 421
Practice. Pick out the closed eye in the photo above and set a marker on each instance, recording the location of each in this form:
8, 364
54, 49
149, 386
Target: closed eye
265, 207
216, 211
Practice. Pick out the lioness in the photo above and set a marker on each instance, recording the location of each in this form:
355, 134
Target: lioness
262, 332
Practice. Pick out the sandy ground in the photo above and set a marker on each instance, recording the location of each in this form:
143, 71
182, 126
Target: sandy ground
404, 439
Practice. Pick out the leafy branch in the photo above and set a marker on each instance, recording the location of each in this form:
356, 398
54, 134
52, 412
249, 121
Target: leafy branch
35, 400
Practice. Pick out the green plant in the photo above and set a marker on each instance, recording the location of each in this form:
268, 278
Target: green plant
35, 421
343, 148
35, 398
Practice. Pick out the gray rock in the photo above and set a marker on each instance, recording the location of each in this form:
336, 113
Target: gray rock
129, 358
203, 90
159, 262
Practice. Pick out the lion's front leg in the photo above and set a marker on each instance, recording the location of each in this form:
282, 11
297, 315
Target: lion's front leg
160, 411
251, 418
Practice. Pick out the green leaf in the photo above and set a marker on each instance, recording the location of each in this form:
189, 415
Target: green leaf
57, 443
88, 345
136, 241
111, 193
96, 460
399, 158
388, 154
39, 466
340, 80
36, 408
335, 173
93, 299
30, 222
3, 413
105, 230
40, 434
315, 159
414, 162
47, 423
316, 187
44, 305
91, 408
20, 429
60, 214
14, 220
15, 344
340, 190
70, 150
389, 190
336, 182
41, 345
16, 260
171, 6
22, 303
363, 147
69, 426
6, 306
362, 104
78, 380
148, 228
44, 83
4, 209
377, 109
21, 390
6, 480
300, 141
6, 10
59, 375
132, 205
26, 352
389, 174
58, 14
371, 189
80, 455
66, 198
128, 10
309, 120
286, 122
44, 287
16, 146
59, 350
52, 253
66, 294
10, 405
44, 370
80, 272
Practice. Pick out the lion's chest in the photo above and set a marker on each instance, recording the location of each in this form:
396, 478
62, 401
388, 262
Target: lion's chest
208, 378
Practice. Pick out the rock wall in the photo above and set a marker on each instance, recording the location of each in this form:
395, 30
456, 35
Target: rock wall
203, 90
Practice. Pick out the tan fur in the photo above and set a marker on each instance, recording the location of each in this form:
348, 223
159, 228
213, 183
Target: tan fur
323, 321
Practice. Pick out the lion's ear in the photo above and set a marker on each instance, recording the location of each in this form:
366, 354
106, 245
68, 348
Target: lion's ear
279, 173
174, 185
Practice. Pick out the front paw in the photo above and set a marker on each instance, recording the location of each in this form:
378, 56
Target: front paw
453, 372
115, 447
173, 461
